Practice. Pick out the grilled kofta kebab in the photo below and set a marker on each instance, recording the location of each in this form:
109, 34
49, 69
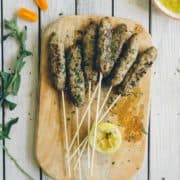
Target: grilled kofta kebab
89, 52
119, 37
57, 63
125, 61
75, 76
56, 58
137, 71
104, 61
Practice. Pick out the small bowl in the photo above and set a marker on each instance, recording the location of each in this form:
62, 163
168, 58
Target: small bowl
166, 11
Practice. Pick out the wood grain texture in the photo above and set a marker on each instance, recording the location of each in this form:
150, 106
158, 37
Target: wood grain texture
21, 145
94, 7
137, 10
165, 113
50, 118
55, 8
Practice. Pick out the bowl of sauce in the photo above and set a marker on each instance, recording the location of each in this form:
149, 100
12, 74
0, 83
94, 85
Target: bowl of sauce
169, 7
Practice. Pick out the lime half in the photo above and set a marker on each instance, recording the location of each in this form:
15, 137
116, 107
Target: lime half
108, 138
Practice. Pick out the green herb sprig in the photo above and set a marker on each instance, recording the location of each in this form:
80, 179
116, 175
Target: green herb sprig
4, 131
11, 81
4, 134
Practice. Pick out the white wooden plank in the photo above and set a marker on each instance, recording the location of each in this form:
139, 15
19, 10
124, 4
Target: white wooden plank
133, 9
94, 7
137, 11
55, 8
165, 113
22, 142
1, 153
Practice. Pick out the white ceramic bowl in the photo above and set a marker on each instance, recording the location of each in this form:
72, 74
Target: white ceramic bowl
166, 11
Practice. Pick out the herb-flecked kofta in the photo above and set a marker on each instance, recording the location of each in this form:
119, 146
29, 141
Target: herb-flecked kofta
99, 48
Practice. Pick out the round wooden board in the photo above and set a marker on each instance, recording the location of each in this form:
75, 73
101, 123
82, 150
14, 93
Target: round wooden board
50, 134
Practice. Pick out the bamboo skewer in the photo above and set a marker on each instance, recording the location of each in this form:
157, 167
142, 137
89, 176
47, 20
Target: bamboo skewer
68, 168
89, 121
76, 150
105, 100
81, 153
77, 123
96, 120
102, 107
110, 107
83, 117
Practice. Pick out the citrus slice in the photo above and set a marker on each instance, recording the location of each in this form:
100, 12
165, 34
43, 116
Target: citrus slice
108, 138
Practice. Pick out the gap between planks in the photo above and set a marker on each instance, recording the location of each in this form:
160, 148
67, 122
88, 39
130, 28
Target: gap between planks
2, 109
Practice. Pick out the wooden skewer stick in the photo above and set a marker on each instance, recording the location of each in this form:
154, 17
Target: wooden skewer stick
83, 117
89, 121
76, 150
68, 168
81, 153
96, 120
105, 100
77, 123
110, 107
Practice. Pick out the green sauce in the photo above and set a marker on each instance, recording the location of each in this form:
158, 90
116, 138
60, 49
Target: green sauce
172, 5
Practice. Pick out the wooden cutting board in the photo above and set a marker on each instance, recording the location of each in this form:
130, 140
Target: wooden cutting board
50, 135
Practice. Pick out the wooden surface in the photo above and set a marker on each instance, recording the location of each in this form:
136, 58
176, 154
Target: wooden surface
50, 147
163, 149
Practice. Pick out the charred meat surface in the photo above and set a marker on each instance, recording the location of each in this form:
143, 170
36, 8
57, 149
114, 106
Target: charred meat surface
89, 52
119, 37
56, 59
138, 70
125, 61
104, 62
76, 80
78, 34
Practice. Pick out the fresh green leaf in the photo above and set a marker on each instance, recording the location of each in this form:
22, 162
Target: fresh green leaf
13, 85
22, 38
9, 104
4, 132
16, 85
6, 78
12, 34
11, 25
8, 126
19, 65
26, 53
11, 81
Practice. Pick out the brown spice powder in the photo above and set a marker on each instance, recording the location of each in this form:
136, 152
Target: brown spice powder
130, 116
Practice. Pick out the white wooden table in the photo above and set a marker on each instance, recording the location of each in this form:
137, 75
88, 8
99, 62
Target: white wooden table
163, 147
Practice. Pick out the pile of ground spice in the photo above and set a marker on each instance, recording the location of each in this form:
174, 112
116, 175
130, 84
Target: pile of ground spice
130, 116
